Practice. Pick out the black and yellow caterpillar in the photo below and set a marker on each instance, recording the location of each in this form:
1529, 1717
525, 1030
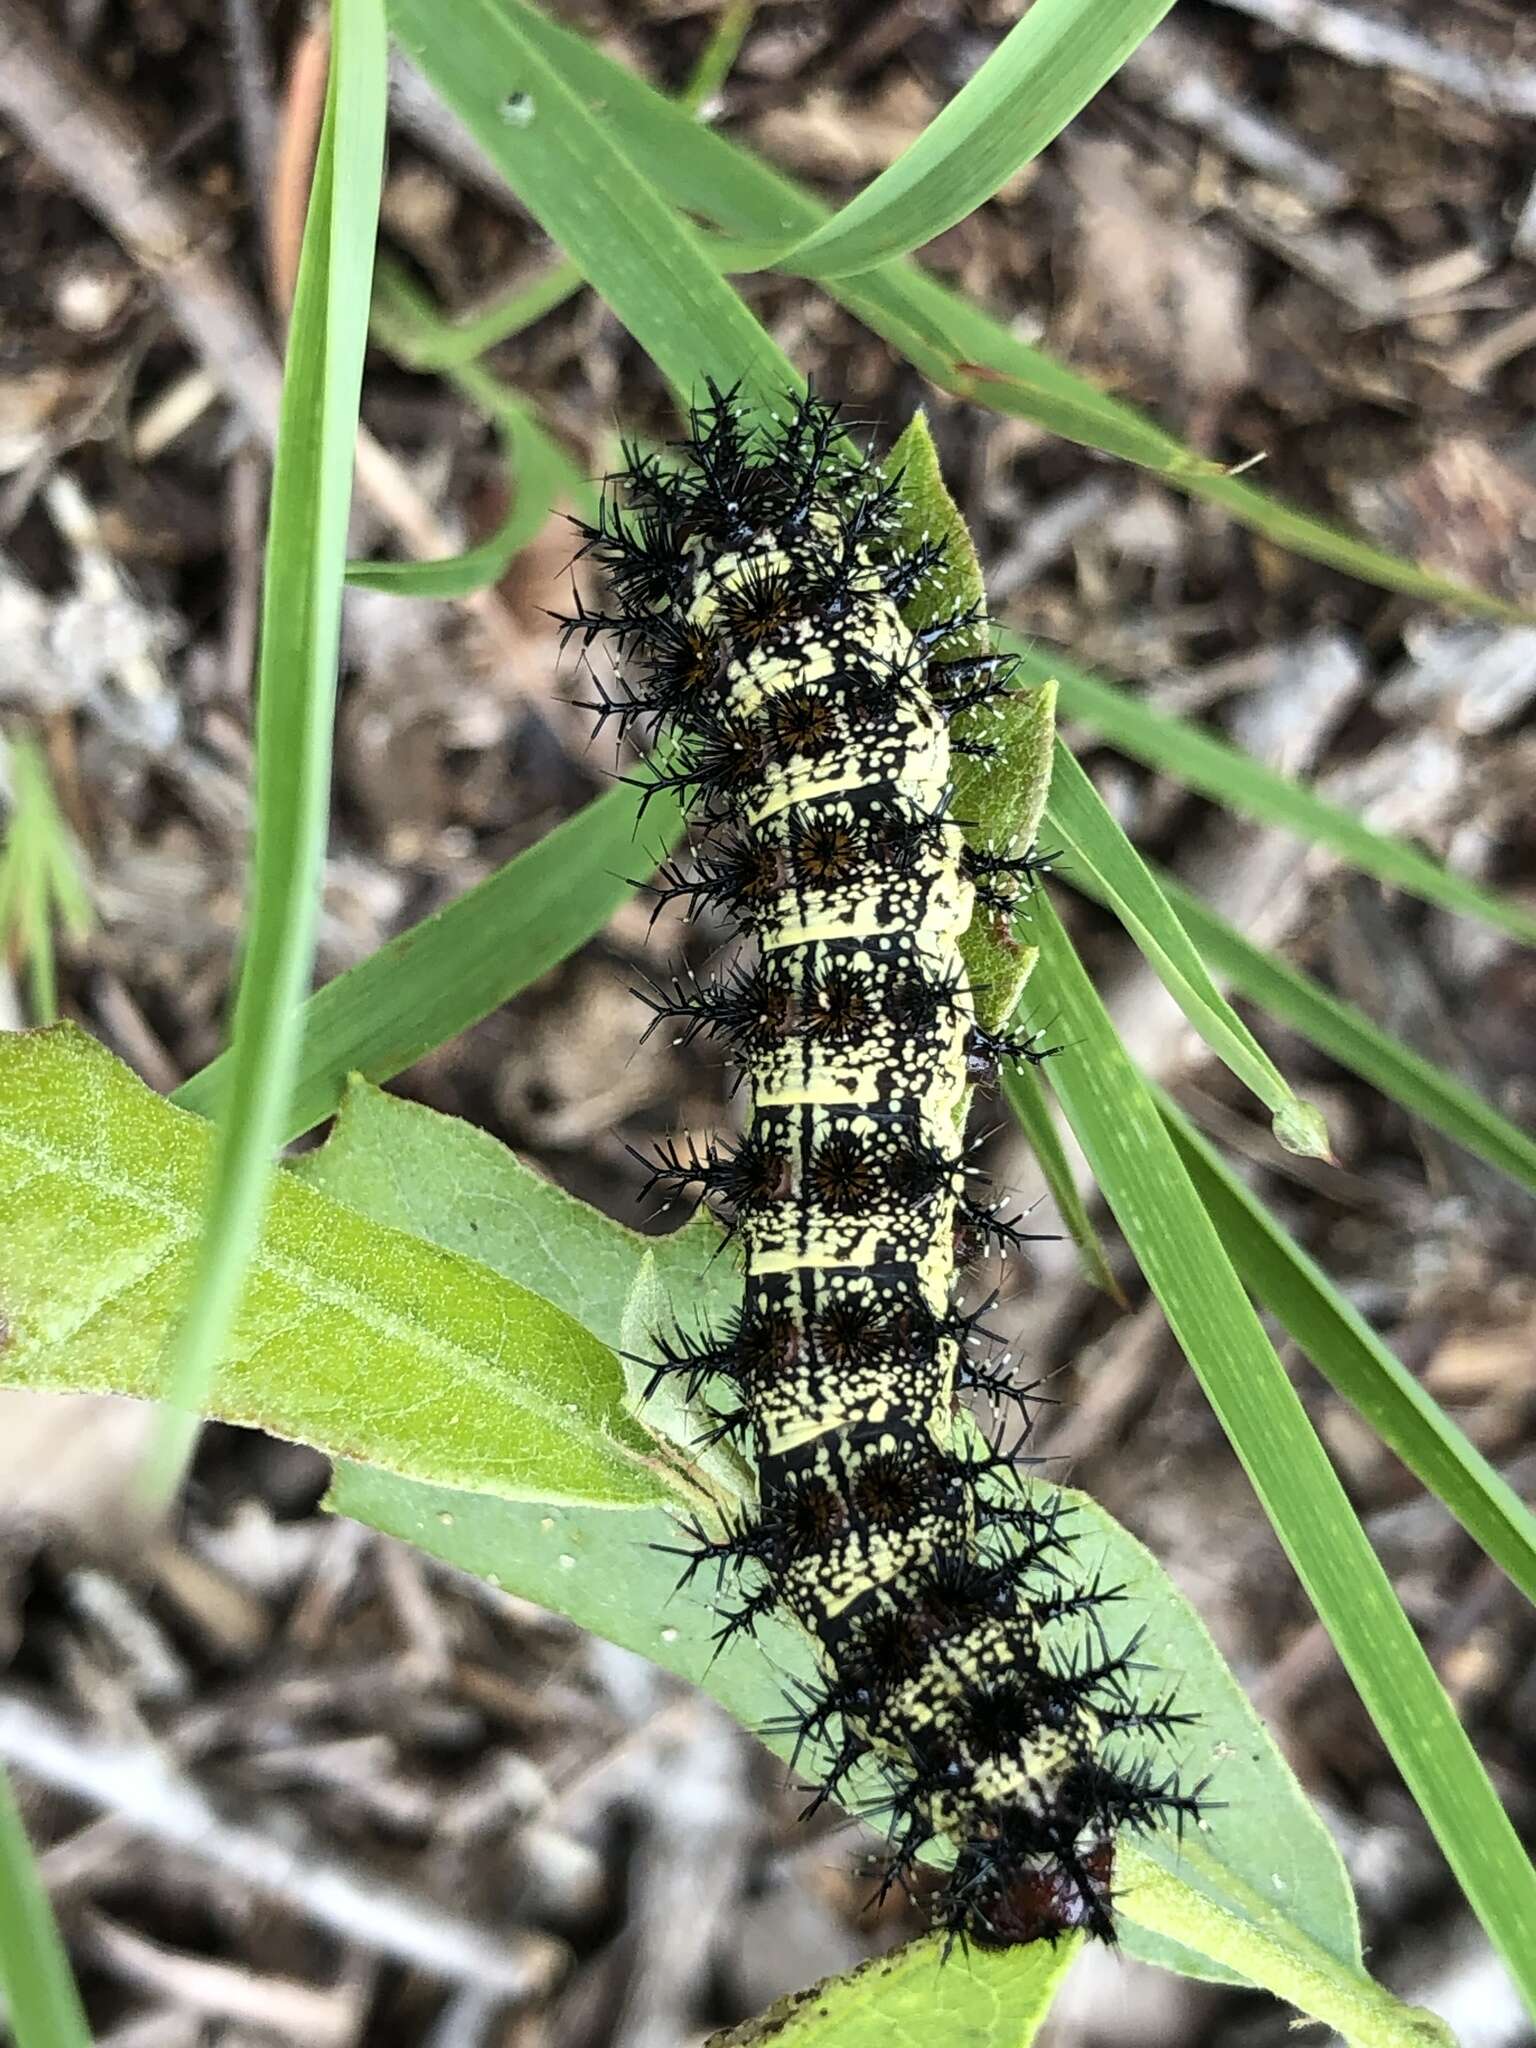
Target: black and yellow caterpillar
760, 580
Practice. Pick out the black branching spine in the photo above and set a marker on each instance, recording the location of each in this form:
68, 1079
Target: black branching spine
758, 587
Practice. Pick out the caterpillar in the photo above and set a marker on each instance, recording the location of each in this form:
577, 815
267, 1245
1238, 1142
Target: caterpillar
759, 579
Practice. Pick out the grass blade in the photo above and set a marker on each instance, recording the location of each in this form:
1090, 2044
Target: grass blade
539, 467
457, 342
1347, 1035
41, 2005
1103, 856
40, 873
1024, 1092
1045, 70
301, 617
1240, 783
559, 155
406, 322
959, 346
461, 341
444, 974
1354, 1360
717, 57
965, 351
1176, 1244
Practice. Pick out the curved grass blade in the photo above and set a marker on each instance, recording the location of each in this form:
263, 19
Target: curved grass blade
1347, 1035
1025, 1095
538, 466
965, 351
406, 322
958, 346
1354, 1360
40, 2004
431, 982
560, 156
1240, 783
1176, 1244
463, 340
1043, 72
301, 619
1100, 852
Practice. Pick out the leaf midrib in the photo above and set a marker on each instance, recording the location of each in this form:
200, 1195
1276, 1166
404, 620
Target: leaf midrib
181, 1221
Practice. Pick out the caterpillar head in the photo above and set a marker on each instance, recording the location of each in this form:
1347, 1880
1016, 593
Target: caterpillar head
1002, 1896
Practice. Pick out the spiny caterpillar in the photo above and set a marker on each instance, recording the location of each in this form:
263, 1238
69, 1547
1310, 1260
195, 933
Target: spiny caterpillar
760, 581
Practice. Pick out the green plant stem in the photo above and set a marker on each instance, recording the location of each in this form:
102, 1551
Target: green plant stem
39, 1986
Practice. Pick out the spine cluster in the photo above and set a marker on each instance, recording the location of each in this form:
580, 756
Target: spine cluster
759, 584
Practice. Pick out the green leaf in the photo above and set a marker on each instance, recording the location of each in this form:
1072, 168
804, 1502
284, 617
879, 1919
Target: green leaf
971, 1998
417, 1170
365, 1339
539, 467
658, 1402
296, 687
1348, 1035
400, 1162
40, 2002
1024, 1092
1106, 861
1000, 798
926, 511
362, 1340
604, 1572
1045, 70
1176, 1244
1355, 1362
431, 982
1263, 1944
1240, 783
559, 155
959, 346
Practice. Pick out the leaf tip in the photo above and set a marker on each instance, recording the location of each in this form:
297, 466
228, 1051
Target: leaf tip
1301, 1128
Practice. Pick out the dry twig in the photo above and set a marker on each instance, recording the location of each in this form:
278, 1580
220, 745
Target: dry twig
135, 1782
